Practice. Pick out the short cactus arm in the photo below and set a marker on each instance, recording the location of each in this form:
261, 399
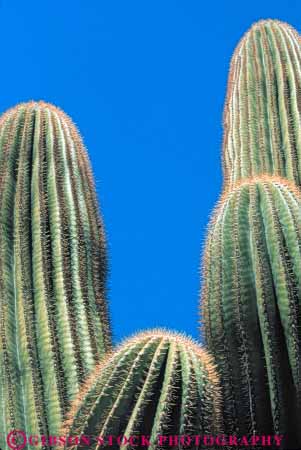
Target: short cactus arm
154, 391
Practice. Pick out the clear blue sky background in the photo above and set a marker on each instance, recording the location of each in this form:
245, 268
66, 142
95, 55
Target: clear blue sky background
145, 82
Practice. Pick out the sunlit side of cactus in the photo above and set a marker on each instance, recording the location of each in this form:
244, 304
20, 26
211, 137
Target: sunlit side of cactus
251, 304
54, 324
157, 383
262, 115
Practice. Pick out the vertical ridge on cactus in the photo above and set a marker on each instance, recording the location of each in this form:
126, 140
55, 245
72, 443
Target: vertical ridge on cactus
53, 313
251, 304
262, 115
156, 383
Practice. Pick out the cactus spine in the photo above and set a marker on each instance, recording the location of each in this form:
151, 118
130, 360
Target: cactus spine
251, 305
157, 383
262, 115
53, 314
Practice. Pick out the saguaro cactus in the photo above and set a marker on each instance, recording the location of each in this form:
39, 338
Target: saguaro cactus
251, 306
156, 384
262, 116
53, 315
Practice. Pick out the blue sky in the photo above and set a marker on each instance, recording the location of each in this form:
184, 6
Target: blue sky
145, 83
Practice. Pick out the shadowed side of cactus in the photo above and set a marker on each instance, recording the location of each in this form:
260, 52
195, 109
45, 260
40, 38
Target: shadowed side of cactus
54, 324
157, 383
251, 306
262, 115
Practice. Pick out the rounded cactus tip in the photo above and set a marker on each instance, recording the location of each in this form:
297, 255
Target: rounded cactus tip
264, 24
35, 106
157, 383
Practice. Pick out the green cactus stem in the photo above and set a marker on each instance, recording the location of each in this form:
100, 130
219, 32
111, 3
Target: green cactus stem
54, 324
157, 383
262, 115
251, 306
